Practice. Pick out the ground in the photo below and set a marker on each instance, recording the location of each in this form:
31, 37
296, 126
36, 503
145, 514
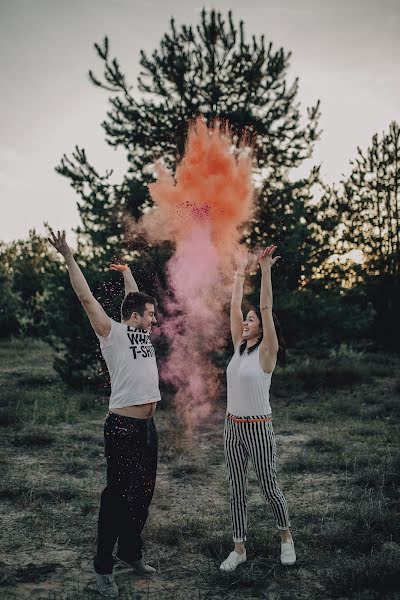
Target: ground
338, 464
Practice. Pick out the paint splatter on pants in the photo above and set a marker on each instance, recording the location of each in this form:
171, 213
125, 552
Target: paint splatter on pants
131, 449
255, 441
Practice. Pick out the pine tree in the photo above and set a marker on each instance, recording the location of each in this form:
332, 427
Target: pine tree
24, 274
213, 70
368, 207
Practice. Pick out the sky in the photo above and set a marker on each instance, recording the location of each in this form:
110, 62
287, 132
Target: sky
346, 53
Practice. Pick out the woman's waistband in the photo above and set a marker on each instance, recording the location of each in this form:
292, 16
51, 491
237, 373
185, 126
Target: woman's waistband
249, 419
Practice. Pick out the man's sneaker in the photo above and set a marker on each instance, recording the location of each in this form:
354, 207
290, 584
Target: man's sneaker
106, 585
234, 560
140, 566
288, 554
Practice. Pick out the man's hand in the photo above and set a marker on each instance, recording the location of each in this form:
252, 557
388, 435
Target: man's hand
129, 281
266, 259
59, 243
120, 268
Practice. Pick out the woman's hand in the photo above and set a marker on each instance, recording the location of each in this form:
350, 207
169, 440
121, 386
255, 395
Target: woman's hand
242, 257
266, 259
59, 242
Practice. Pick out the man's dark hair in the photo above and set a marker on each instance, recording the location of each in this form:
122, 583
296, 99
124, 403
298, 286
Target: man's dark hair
136, 302
279, 335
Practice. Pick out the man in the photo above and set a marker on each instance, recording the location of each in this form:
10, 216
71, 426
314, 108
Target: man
129, 431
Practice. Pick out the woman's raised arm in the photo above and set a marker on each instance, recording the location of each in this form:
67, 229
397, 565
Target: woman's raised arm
236, 314
269, 344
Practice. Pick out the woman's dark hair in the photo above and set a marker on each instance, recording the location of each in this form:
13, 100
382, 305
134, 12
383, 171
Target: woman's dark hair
135, 302
279, 335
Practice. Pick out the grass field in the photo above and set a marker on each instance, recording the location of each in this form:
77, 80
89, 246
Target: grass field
337, 423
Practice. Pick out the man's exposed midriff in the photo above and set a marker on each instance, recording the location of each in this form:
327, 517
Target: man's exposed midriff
138, 411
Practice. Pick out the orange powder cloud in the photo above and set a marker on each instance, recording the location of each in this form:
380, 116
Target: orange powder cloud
212, 182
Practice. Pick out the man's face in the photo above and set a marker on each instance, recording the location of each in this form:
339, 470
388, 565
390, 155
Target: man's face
148, 319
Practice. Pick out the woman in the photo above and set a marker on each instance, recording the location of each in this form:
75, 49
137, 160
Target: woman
248, 428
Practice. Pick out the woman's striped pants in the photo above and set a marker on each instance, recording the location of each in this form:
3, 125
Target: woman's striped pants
254, 440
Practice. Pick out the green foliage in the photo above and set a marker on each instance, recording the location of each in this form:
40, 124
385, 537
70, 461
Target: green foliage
377, 574
215, 71
25, 266
35, 438
367, 206
10, 302
383, 291
210, 70
384, 476
314, 320
31, 394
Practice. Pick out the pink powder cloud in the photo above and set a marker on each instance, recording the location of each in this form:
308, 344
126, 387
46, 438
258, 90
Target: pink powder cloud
200, 210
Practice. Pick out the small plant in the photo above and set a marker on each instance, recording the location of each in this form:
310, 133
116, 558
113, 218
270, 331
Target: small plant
36, 381
185, 470
384, 477
175, 534
31, 573
74, 467
346, 352
378, 572
88, 402
322, 445
37, 437
8, 416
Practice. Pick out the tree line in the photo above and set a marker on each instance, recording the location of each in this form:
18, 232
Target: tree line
340, 275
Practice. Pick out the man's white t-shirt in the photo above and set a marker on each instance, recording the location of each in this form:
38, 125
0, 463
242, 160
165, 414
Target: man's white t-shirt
131, 363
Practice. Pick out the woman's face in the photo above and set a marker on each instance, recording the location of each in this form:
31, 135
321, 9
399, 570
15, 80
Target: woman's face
251, 326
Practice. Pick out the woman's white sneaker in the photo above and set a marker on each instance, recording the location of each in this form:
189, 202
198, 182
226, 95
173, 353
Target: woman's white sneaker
288, 554
234, 560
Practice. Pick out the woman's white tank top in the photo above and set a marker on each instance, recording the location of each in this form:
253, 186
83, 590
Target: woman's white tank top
247, 385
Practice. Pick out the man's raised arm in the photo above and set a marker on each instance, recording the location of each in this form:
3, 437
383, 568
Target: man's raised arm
130, 285
129, 280
99, 320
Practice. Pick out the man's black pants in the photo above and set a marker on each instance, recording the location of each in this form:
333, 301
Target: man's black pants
131, 451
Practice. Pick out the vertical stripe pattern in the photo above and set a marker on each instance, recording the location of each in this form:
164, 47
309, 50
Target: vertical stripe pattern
255, 441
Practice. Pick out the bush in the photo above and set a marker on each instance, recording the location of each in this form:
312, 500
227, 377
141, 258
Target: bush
33, 438
379, 572
315, 319
24, 269
384, 477
311, 374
